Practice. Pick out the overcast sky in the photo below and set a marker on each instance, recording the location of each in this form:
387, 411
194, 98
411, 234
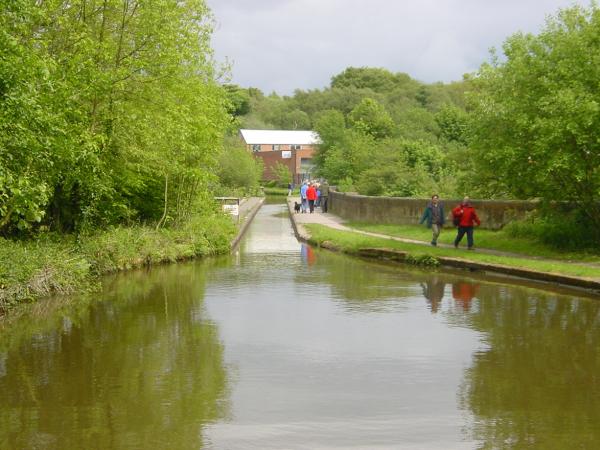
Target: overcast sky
282, 45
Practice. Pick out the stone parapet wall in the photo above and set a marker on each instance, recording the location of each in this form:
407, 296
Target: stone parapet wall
494, 214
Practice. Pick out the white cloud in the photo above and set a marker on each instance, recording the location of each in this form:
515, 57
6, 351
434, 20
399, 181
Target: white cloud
281, 45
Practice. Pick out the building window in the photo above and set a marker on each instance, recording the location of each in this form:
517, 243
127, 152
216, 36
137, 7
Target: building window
256, 147
295, 147
275, 147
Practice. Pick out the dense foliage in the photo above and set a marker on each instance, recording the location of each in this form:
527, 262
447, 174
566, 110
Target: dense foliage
383, 133
109, 112
239, 173
536, 116
524, 126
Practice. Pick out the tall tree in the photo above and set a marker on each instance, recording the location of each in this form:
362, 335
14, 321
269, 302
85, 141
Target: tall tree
536, 118
122, 115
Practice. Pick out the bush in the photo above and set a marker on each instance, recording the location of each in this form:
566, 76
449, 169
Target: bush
564, 230
238, 169
422, 260
52, 264
282, 174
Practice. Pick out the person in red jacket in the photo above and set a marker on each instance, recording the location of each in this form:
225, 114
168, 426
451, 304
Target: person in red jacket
311, 196
466, 217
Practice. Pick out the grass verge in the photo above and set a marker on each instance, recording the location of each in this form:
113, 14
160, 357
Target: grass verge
350, 242
283, 192
66, 264
494, 240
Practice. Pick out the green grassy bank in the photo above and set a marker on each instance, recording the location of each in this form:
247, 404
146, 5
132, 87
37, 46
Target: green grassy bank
502, 240
350, 242
66, 264
281, 192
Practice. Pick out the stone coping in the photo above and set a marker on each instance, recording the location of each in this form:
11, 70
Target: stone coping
247, 212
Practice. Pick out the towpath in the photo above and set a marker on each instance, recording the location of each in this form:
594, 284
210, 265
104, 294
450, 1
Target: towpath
336, 222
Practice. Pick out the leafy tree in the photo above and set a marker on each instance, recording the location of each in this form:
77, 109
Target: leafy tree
29, 123
239, 100
453, 123
109, 111
371, 118
364, 106
331, 127
348, 159
295, 120
282, 174
376, 79
536, 114
238, 169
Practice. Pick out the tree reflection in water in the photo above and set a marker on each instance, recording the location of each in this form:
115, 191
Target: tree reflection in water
143, 368
538, 384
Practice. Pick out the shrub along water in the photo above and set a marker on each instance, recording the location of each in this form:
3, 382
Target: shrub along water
66, 264
109, 115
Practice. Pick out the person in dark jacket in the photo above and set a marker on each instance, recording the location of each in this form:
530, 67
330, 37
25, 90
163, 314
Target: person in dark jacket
324, 196
466, 217
434, 215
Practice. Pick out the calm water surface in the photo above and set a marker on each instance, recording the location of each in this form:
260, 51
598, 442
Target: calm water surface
281, 346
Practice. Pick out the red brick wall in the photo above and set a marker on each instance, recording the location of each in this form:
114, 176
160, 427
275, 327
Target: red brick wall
270, 157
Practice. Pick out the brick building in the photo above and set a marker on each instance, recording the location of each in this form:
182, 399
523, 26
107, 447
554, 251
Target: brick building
293, 148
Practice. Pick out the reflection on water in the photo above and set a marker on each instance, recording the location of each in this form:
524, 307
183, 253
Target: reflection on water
143, 368
285, 346
538, 384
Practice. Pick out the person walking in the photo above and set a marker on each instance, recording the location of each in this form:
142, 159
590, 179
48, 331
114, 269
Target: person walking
324, 196
311, 195
465, 217
303, 200
434, 215
290, 189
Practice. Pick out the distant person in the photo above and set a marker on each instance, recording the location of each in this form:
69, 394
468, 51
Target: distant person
434, 215
433, 291
324, 196
290, 189
318, 200
303, 200
311, 195
465, 217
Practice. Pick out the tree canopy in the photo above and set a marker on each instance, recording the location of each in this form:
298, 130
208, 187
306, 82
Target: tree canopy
536, 114
109, 111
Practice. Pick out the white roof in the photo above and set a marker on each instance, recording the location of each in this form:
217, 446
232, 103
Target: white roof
280, 137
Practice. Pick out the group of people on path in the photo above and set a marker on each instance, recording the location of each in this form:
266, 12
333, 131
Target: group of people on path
314, 194
464, 218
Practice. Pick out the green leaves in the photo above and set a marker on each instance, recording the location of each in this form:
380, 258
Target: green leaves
370, 117
99, 100
536, 115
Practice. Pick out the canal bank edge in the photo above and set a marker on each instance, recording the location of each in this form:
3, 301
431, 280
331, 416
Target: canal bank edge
248, 210
69, 267
303, 235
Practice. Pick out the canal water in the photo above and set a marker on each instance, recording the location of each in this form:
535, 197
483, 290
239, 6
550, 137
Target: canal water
282, 346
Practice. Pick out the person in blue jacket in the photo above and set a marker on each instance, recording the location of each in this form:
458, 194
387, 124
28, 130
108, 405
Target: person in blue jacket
434, 215
303, 200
